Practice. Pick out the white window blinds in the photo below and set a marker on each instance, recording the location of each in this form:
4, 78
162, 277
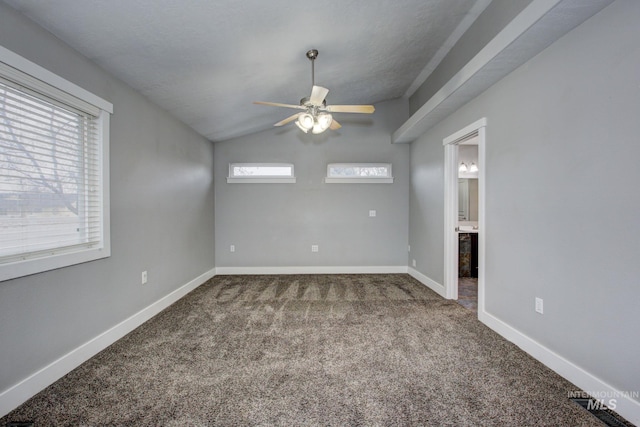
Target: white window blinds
50, 180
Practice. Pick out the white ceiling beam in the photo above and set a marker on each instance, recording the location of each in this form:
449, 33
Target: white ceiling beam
535, 28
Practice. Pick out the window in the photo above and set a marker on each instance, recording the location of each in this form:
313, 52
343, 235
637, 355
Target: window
363, 173
53, 171
261, 173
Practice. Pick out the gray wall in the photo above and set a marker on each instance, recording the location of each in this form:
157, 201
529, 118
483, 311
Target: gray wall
162, 203
276, 224
426, 210
562, 195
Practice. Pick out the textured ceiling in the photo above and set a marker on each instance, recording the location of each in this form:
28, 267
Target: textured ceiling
205, 61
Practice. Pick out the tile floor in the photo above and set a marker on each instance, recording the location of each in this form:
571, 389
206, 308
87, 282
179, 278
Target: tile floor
468, 292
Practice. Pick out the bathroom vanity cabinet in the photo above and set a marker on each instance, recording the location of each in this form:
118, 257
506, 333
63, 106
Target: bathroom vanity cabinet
468, 255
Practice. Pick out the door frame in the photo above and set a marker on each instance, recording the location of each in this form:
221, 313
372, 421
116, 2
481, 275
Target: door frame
450, 144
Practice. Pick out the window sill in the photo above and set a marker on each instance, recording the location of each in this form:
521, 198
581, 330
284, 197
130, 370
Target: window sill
28, 267
328, 180
261, 180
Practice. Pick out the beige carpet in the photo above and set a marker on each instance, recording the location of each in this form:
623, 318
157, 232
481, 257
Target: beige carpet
352, 350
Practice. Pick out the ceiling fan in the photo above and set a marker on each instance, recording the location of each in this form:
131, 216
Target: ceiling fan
316, 114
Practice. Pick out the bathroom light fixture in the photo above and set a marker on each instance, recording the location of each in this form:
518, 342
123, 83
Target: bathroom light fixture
472, 168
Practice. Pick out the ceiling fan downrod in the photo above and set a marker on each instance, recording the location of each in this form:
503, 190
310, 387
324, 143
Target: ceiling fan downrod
312, 55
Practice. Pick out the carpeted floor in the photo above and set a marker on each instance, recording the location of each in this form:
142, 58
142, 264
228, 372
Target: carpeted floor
339, 350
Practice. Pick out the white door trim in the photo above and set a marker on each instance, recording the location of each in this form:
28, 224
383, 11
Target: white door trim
451, 209
450, 220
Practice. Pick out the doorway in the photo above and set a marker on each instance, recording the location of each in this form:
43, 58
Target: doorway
458, 216
467, 227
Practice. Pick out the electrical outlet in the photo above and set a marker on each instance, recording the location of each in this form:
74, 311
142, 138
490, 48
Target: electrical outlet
314, 248
144, 277
232, 248
408, 248
413, 263
539, 306
372, 213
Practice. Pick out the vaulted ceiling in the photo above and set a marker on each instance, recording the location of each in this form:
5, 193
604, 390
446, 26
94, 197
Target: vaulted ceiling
206, 61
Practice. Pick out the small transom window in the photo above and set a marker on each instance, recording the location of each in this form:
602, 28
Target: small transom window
368, 173
262, 173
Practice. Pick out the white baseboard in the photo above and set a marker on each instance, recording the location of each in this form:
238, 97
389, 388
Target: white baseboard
624, 404
38, 381
428, 282
312, 270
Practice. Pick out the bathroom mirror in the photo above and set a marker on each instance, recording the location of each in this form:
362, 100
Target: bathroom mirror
467, 199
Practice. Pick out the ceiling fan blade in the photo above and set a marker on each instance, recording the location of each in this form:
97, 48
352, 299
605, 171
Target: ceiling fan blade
318, 94
277, 104
287, 120
335, 125
366, 109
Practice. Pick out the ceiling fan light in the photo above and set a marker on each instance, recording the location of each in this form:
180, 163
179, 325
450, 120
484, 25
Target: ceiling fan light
323, 122
305, 122
300, 126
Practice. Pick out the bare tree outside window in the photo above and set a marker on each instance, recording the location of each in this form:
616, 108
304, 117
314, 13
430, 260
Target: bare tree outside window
42, 178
